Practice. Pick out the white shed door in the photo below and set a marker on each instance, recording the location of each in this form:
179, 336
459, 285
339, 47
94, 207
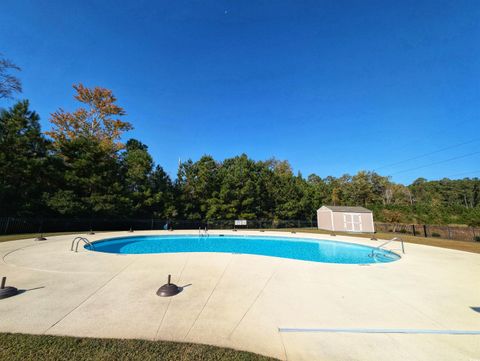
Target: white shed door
352, 222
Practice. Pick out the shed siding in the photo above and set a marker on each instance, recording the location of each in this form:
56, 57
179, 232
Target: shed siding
338, 221
366, 219
324, 219
367, 222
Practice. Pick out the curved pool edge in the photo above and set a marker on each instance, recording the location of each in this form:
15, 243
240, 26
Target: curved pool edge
310, 238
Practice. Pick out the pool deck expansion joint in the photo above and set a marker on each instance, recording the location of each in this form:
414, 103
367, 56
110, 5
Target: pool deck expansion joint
89, 297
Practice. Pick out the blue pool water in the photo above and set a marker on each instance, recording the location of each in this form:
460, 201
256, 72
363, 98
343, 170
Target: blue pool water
285, 247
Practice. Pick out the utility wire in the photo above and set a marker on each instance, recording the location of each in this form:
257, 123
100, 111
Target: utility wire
462, 173
427, 154
435, 163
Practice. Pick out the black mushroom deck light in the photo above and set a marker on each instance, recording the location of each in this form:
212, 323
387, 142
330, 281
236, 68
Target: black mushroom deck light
7, 291
169, 289
40, 238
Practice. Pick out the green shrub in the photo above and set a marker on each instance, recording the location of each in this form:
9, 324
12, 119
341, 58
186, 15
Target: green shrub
477, 238
435, 234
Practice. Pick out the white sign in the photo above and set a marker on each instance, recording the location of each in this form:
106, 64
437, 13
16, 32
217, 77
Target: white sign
240, 222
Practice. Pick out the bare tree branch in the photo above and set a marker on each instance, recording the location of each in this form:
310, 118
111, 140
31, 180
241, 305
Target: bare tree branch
9, 84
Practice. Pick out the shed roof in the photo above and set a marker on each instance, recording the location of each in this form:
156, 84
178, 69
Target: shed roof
348, 209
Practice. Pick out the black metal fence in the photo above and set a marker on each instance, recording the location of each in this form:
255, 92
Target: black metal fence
460, 233
15, 225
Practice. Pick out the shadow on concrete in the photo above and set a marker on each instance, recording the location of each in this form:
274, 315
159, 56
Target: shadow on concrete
20, 291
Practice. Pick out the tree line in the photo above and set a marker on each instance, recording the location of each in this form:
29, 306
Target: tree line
80, 168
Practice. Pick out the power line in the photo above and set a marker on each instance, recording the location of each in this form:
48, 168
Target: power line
462, 173
427, 154
435, 163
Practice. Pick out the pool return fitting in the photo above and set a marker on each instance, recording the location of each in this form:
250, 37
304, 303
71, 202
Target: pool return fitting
7, 291
169, 289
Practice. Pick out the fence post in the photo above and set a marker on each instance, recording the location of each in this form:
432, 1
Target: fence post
413, 230
449, 232
6, 225
40, 228
425, 230
151, 224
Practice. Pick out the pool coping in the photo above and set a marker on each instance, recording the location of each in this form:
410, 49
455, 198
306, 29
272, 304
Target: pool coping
220, 234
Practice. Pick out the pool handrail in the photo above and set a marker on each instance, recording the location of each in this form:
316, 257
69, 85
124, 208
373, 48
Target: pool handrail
203, 232
79, 239
391, 240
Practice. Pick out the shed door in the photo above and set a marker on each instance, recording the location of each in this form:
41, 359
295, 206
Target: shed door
352, 222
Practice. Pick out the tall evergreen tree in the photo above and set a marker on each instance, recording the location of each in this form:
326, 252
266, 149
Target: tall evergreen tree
165, 195
137, 166
24, 163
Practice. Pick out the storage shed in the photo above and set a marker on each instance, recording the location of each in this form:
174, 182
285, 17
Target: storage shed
345, 219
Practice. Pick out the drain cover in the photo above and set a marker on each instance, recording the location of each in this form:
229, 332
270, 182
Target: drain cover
169, 289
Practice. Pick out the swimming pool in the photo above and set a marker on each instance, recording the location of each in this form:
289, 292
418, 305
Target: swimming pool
285, 247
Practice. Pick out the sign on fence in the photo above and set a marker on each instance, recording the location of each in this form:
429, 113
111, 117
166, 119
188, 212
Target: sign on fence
240, 222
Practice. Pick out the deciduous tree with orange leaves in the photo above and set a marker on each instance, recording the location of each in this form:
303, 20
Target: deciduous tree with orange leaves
98, 120
88, 143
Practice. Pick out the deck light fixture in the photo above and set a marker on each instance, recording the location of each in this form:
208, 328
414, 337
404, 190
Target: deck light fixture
41, 238
7, 291
169, 289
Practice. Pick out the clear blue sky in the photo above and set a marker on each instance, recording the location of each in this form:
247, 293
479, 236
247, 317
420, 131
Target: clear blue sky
332, 86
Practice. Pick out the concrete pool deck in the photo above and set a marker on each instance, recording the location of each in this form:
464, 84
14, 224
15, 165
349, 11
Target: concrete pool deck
241, 301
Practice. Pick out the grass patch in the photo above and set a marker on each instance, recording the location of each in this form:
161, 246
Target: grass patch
16, 237
35, 347
466, 246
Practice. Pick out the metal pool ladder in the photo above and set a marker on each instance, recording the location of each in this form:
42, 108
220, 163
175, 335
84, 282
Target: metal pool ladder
78, 240
203, 232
